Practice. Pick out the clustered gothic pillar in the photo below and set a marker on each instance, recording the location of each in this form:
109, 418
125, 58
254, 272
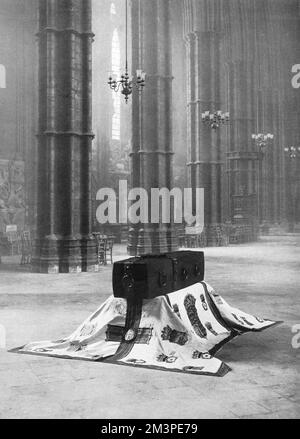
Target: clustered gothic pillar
203, 33
261, 54
269, 115
151, 119
284, 34
239, 58
243, 156
64, 242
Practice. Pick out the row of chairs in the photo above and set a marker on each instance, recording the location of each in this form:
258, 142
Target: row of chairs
104, 248
19, 243
242, 234
26, 248
216, 235
219, 235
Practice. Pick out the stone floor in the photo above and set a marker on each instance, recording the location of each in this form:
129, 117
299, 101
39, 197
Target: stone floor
262, 278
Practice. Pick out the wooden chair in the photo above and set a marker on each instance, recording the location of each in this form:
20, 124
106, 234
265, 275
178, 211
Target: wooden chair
109, 250
187, 241
181, 240
202, 241
101, 248
102, 243
14, 242
26, 247
191, 241
219, 235
234, 235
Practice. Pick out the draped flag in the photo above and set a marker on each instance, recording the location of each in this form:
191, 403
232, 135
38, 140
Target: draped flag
179, 332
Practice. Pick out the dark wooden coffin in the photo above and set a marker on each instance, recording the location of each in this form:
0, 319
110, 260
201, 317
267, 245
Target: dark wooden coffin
149, 276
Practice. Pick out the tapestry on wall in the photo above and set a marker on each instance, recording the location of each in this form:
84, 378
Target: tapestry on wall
12, 198
179, 332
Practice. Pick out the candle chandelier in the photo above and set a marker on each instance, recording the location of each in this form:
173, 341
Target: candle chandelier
292, 151
125, 84
215, 119
262, 140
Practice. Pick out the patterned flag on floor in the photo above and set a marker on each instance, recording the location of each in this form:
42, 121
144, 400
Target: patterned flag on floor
179, 332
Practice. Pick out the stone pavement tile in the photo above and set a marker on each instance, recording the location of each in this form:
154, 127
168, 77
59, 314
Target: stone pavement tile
276, 374
82, 370
187, 394
99, 389
245, 408
168, 381
10, 359
124, 376
264, 365
292, 413
35, 367
279, 404
28, 406
255, 394
152, 409
173, 390
113, 398
87, 373
171, 409
75, 391
238, 386
36, 390
19, 377
53, 375
282, 414
226, 398
95, 408
196, 405
230, 383
44, 361
7, 393
279, 379
288, 390
83, 409
24, 400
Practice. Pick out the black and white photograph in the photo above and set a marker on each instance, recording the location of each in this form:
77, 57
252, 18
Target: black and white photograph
149, 212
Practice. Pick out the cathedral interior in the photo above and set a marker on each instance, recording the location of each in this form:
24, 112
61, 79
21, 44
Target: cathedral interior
214, 104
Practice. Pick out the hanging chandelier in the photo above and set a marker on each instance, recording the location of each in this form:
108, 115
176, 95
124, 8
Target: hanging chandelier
292, 151
125, 84
215, 119
262, 140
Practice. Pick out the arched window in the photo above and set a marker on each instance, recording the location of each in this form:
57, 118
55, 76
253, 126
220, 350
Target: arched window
115, 66
115, 53
113, 9
2, 76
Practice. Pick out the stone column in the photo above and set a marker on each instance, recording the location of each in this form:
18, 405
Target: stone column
283, 44
203, 33
242, 155
152, 153
64, 241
